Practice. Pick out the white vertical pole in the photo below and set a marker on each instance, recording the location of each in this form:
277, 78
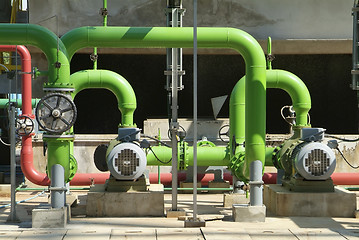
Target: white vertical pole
194, 110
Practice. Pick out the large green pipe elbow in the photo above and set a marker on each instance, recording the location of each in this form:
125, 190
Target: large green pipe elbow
296, 89
47, 41
275, 79
112, 81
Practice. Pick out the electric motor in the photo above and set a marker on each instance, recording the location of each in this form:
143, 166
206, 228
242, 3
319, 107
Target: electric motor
126, 161
314, 161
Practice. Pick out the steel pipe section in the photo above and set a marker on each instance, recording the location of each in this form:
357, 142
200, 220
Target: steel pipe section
112, 81
280, 79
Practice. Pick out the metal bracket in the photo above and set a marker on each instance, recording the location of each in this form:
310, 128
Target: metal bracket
103, 12
93, 57
256, 182
57, 64
355, 9
180, 10
58, 189
355, 72
179, 72
25, 73
270, 57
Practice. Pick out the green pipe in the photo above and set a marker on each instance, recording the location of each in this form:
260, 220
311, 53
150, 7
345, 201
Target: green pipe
275, 79
246, 45
4, 103
112, 81
200, 189
19, 189
58, 152
206, 156
105, 15
47, 41
95, 60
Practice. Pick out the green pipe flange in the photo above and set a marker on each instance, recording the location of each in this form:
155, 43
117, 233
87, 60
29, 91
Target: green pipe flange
205, 143
183, 155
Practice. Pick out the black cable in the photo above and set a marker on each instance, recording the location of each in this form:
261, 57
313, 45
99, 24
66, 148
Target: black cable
154, 154
342, 139
157, 140
346, 159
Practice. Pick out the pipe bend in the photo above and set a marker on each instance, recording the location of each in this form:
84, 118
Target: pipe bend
112, 81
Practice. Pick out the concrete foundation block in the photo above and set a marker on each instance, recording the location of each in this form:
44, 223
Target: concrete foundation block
194, 223
5, 189
247, 213
282, 202
234, 198
224, 184
175, 214
188, 185
125, 204
47, 217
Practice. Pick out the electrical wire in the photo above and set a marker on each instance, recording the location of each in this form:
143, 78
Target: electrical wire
154, 154
155, 139
346, 159
342, 139
38, 195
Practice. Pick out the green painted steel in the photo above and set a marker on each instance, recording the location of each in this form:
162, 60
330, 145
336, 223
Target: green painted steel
206, 156
275, 79
47, 41
246, 45
4, 103
58, 152
112, 81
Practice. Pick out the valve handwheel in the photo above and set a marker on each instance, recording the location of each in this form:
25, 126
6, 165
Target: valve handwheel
56, 113
24, 125
222, 133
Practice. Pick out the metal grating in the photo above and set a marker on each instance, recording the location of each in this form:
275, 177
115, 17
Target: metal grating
127, 162
317, 162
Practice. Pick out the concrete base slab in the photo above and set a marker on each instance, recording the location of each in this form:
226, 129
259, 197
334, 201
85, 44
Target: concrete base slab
213, 184
283, 202
175, 214
125, 204
46, 217
247, 213
193, 223
188, 185
234, 198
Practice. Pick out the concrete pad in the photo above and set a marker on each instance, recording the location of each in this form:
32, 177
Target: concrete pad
133, 234
275, 234
42, 234
224, 184
322, 233
234, 198
179, 233
88, 234
283, 202
188, 185
125, 204
247, 213
349, 234
9, 235
225, 234
49, 217
175, 214
194, 223
5, 189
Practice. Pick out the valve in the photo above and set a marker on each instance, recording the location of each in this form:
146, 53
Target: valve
56, 113
24, 125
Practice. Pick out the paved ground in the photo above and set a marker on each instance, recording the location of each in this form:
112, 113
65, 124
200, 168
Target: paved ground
219, 224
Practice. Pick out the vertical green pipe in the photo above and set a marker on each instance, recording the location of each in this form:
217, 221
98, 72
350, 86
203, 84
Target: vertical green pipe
95, 60
105, 15
58, 152
269, 53
275, 79
115, 83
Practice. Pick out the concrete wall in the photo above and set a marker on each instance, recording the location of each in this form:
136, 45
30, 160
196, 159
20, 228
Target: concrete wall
281, 19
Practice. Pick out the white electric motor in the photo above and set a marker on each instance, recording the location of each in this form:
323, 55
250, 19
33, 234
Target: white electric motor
127, 161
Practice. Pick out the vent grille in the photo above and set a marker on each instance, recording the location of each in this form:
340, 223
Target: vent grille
317, 162
126, 162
